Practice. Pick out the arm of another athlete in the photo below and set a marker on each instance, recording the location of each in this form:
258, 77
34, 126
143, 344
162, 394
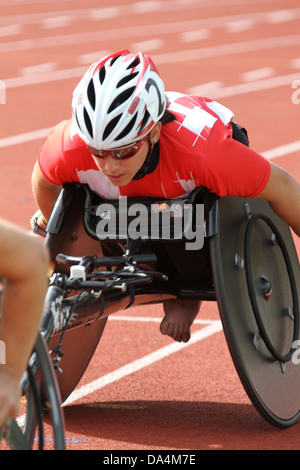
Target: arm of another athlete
23, 266
45, 194
283, 193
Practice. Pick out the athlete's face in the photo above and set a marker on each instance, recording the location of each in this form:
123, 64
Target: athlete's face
120, 171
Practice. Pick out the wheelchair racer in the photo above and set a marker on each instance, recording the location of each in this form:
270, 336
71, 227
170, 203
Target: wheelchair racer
129, 137
23, 266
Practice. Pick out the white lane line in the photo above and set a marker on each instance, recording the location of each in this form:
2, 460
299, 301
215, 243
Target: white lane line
295, 63
57, 22
258, 85
91, 57
141, 363
26, 137
38, 69
129, 32
142, 8
244, 47
97, 14
258, 74
174, 57
280, 16
36, 79
150, 6
205, 89
239, 26
11, 30
145, 319
149, 45
282, 150
195, 35
132, 367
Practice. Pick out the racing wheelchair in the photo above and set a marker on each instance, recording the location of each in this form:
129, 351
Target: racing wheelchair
244, 259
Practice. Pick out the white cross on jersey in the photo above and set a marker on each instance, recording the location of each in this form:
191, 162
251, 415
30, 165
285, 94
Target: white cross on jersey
197, 118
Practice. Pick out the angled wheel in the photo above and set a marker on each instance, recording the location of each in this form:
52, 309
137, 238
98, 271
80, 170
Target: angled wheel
257, 281
43, 407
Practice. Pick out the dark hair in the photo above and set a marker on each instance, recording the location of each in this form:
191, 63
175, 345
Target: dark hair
167, 117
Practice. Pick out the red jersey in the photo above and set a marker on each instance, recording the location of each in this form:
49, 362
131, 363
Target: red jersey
196, 149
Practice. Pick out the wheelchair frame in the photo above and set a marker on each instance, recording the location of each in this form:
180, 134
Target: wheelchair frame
246, 248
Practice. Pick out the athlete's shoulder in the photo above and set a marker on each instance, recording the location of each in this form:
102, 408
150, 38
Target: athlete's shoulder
175, 97
196, 106
62, 154
64, 137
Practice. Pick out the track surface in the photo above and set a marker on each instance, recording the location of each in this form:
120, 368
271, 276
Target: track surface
244, 53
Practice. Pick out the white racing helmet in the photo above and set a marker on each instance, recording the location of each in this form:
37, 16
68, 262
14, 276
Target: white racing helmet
118, 101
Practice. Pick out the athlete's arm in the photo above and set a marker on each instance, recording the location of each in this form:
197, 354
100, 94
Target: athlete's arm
45, 194
283, 193
23, 266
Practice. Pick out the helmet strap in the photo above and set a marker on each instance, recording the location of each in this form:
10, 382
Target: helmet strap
150, 163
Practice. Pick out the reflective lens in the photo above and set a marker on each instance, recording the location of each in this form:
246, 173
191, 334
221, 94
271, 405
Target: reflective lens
122, 153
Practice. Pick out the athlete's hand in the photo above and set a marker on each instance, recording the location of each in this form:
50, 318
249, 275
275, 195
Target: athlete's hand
38, 223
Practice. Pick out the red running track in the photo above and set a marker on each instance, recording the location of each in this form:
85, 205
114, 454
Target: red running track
246, 55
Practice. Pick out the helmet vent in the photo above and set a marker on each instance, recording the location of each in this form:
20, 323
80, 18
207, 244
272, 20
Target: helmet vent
110, 126
124, 96
102, 74
127, 79
134, 63
145, 121
113, 60
127, 129
77, 120
88, 123
91, 94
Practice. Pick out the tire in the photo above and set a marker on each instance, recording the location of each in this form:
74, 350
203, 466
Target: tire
257, 281
42, 400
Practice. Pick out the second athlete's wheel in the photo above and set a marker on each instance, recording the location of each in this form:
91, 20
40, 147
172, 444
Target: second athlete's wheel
43, 406
257, 281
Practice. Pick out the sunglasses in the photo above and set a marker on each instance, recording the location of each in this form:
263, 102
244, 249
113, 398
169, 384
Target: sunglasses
121, 153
